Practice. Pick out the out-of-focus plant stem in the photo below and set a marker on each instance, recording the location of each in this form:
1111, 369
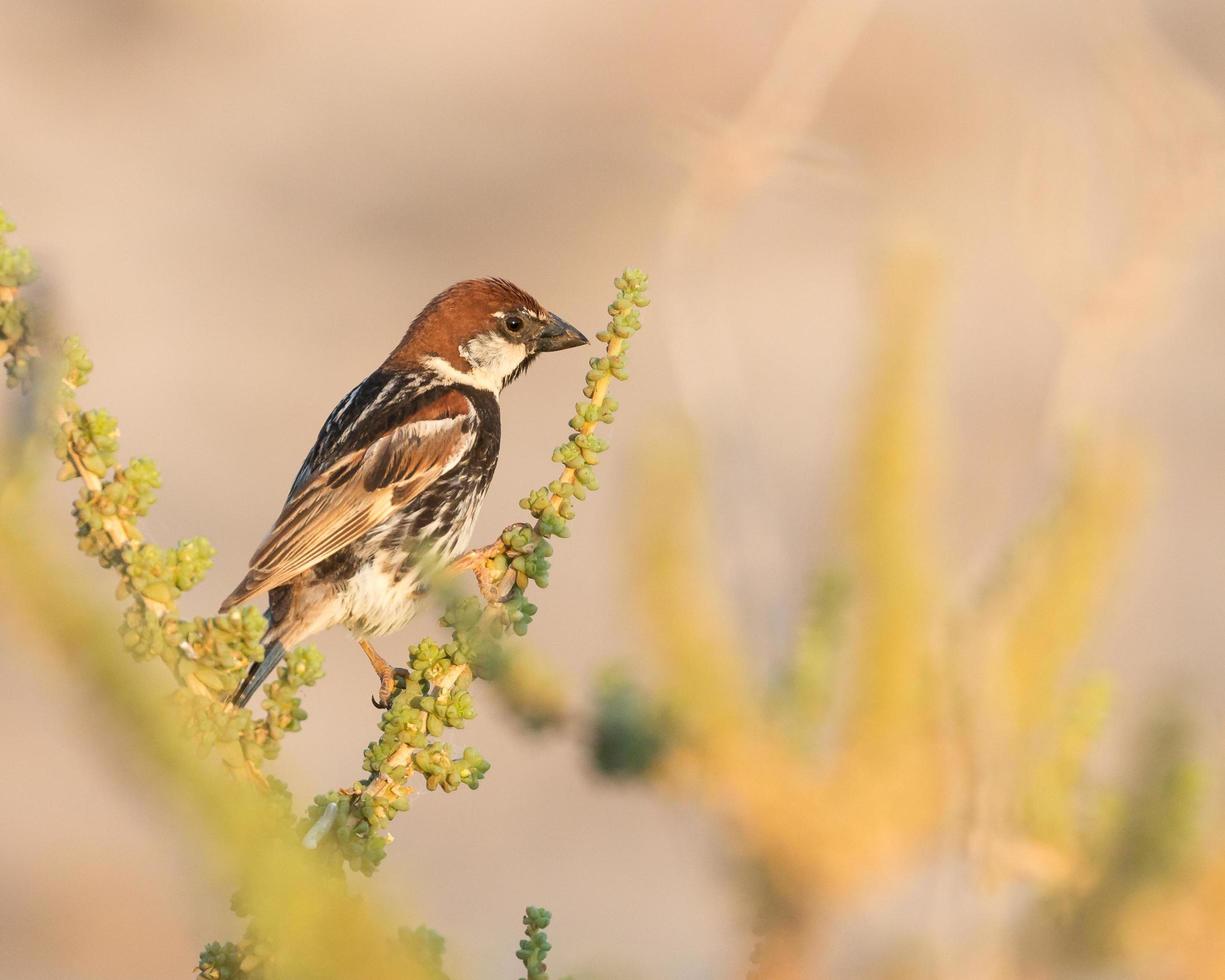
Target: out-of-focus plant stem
324, 930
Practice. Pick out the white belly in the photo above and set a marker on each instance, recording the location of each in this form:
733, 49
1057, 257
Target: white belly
376, 604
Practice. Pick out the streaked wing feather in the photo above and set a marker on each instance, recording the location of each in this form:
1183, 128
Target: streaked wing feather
359, 491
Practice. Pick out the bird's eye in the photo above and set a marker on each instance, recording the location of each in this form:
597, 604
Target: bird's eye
513, 323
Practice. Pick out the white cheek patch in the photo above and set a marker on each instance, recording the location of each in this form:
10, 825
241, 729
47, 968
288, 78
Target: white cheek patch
493, 360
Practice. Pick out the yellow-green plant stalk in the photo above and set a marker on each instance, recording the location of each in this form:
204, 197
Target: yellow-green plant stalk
17, 348
204, 655
1034, 716
309, 923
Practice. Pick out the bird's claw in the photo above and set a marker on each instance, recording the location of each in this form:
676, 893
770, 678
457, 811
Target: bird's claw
388, 684
388, 675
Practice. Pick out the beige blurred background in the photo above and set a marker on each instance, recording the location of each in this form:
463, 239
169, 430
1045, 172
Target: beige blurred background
239, 207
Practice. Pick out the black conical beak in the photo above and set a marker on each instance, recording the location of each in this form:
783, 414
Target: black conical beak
559, 335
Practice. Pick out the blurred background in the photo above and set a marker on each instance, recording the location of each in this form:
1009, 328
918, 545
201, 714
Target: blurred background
240, 206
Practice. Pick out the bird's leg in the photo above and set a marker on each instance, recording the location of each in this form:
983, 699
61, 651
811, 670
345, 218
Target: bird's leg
488, 580
387, 675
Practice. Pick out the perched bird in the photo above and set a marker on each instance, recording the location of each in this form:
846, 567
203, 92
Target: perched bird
392, 486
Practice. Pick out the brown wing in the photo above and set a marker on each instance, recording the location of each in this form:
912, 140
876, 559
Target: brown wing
358, 492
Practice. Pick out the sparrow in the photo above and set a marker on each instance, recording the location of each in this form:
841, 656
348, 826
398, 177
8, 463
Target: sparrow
393, 484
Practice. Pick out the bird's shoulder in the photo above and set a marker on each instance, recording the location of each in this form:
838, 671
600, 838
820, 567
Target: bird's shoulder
383, 402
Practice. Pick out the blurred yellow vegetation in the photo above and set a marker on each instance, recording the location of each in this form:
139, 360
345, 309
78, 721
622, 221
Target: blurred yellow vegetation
923, 733
306, 914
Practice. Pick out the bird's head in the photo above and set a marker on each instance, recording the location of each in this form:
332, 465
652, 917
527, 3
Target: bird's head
483, 333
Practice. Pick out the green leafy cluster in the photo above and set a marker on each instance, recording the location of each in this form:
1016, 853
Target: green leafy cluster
1156, 829
802, 692
252, 957
630, 730
527, 685
435, 709
416, 719
535, 948
16, 340
228, 961
553, 505
427, 948
206, 656
237, 737
347, 827
16, 266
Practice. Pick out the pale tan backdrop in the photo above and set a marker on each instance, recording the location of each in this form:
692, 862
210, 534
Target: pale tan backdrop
239, 206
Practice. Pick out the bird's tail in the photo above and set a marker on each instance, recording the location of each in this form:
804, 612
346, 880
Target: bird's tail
259, 671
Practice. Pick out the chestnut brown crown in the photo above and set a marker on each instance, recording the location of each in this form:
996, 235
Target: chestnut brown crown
481, 332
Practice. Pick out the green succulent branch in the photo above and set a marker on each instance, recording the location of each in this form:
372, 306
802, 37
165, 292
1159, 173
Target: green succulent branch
16, 341
205, 656
427, 948
353, 821
535, 948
